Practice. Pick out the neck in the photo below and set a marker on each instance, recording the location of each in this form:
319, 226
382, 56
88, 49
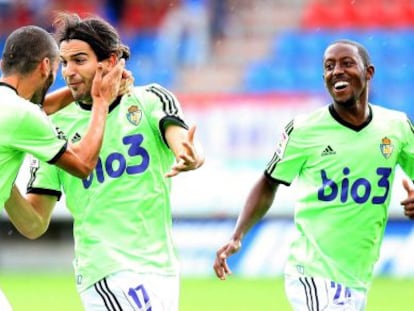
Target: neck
355, 114
23, 87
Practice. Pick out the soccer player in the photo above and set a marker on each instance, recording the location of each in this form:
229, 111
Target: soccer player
125, 258
29, 64
344, 157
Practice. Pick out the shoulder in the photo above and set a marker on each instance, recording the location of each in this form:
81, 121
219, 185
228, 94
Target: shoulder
65, 113
387, 114
152, 90
309, 120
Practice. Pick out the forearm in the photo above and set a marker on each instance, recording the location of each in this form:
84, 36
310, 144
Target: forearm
187, 150
257, 204
27, 220
57, 100
88, 148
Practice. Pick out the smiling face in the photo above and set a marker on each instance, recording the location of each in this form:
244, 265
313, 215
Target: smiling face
346, 74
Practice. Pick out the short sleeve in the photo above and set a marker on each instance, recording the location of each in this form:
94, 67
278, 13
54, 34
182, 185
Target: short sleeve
44, 178
288, 158
36, 135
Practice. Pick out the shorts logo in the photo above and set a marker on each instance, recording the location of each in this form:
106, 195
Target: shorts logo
386, 147
34, 162
79, 279
134, 115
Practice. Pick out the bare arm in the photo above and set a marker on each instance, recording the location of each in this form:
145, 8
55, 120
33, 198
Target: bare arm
57, 100
80, 159
258, 203
31, 215
188, 152
62, 97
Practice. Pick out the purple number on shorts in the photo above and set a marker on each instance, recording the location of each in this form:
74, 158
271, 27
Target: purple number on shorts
140, 296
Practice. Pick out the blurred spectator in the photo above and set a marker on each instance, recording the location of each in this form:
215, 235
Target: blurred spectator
184, 34
114, 10
142, 16
81, 7
220, 10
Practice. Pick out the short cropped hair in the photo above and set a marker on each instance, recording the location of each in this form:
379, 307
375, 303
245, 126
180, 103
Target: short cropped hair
25, 48
99, 34
362, 51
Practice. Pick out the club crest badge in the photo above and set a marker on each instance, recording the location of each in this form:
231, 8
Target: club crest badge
386, 147
134, 115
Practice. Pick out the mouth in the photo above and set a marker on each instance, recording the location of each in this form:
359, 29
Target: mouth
73, 84
339, 87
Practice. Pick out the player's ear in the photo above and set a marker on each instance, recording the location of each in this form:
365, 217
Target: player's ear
44, 66
370, 72
112, 60
109, 62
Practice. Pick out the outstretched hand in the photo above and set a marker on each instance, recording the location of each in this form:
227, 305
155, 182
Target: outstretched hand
220, 266
408, 203
188, 159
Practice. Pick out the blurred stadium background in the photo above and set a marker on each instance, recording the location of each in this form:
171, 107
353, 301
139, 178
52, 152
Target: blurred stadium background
241, 70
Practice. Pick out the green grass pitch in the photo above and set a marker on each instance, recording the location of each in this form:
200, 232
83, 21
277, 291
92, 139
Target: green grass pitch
56, 292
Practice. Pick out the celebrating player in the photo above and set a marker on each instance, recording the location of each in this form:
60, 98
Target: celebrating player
29, 64
344, 157
124, 253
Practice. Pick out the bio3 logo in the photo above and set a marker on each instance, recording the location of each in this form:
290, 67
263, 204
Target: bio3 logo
115, 163
359, 190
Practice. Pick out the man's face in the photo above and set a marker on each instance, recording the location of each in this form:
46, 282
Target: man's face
79, 64
39, 96
345, 73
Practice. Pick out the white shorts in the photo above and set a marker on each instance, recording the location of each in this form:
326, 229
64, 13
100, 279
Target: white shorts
4, 303
317, 294
131, 291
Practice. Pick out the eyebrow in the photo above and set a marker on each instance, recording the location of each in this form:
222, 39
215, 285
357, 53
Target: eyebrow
75, 55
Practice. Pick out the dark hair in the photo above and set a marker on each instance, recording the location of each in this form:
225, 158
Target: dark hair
99, 34
362, 51
25, 48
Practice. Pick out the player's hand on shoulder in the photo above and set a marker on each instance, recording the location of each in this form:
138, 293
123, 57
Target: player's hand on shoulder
408, 203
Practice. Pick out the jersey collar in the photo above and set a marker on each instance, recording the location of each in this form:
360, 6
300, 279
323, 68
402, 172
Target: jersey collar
9, 86
358, 128
88, 107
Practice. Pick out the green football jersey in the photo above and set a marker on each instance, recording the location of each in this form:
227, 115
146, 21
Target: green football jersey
345, 176
25, 129
122, 211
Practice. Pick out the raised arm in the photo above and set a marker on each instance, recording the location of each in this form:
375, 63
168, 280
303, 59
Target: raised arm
57, 100
62, 97
80, 159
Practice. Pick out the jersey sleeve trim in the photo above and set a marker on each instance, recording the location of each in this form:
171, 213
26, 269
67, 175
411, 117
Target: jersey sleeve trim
59, 154
169, 105
168, 120
51, 192
268, 176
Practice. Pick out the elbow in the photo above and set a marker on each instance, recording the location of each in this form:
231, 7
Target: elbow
36, 231
82, 174
33, 234
84, 170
